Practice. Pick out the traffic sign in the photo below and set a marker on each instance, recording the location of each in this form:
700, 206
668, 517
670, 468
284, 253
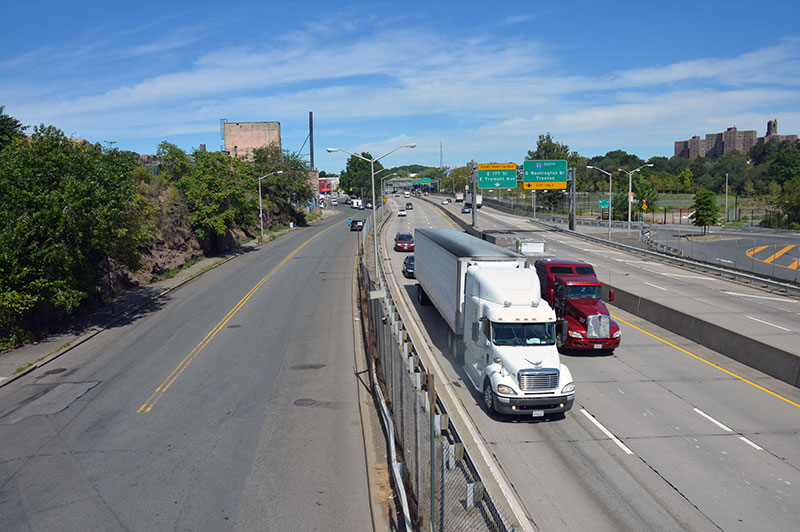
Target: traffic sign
547, 175
497, 175
602, 204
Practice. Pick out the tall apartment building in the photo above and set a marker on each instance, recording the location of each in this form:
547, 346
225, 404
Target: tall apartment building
241, 138
716, 144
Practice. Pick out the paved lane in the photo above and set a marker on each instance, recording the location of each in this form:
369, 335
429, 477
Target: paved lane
232, 405
665, 434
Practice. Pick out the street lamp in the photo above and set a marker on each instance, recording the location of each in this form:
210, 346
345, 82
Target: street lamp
609, 196
383, 187
260, 210
630, 189
372, 179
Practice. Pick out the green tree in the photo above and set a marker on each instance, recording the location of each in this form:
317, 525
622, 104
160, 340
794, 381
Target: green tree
10, 129
356, 178
68, 210
283, 192
215, 191
173, 163
789, 200
705, 208
785, 165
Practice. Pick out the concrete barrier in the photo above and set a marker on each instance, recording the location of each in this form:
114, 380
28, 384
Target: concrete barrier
758, 355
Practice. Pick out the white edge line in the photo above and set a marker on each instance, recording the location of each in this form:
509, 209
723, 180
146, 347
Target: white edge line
655, 286
770, 324
753, 296
751, 444
606, 432
714, 421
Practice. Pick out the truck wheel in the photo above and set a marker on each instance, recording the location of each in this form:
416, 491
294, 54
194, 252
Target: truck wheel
422, 297
488, 397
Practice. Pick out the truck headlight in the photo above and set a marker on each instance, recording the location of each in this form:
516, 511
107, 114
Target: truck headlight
505, 390
575, 334
616, 334
569, 388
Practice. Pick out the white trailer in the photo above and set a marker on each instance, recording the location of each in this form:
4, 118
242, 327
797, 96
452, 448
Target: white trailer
498, 323
478, 203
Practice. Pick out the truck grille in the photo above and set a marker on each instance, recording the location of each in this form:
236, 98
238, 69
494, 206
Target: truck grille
531, 380
598, 326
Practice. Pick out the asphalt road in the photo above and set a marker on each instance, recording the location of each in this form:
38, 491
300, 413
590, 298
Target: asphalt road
664, 435
230, 404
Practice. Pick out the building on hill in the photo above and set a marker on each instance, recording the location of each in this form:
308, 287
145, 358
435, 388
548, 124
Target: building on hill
716, 144
241, 138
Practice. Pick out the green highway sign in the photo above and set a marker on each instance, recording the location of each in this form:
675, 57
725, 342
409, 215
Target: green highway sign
544, 175
426, 180
602, 204
497, 175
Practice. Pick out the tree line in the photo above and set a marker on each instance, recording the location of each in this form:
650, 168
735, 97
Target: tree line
770, 171
74, 212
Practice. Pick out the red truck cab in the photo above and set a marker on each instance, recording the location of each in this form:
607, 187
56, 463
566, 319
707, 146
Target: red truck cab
573, 290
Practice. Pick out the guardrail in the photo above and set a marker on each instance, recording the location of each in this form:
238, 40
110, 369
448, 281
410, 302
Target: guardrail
735, 275
444, 489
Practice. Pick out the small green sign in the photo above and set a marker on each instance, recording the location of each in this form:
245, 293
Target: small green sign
602, 204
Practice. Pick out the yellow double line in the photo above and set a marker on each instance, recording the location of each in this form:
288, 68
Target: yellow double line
172, 377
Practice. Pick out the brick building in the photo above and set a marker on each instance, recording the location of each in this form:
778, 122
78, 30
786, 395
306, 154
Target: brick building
241, 138
716, 144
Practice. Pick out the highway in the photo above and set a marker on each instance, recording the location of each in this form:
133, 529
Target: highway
230, 404
665, 434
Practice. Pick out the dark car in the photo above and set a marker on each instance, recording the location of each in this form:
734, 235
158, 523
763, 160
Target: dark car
409, 206
357, 225
408, 267
404, 242
465, 209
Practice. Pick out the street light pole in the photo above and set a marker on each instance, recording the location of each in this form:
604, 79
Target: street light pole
372, 179
609, 196
260, 209
630, 189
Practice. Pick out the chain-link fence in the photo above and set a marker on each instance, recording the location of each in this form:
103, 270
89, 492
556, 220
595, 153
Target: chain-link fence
443, 488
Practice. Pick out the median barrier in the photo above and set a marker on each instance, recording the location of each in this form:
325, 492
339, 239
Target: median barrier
775, 362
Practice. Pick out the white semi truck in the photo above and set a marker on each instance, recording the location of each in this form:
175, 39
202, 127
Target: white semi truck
478, 202
499, 324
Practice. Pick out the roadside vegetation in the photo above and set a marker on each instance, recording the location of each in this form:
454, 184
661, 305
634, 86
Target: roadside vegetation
765, 181
81, 221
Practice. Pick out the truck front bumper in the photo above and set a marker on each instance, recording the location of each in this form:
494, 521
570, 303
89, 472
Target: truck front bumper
526, 406
601, 344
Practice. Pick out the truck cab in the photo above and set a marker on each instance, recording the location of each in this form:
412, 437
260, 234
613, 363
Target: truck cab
573, 290
510, 344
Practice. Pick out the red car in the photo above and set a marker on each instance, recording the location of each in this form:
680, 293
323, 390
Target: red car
404, 242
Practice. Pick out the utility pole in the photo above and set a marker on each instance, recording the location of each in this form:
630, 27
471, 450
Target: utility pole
474, 209
571, 179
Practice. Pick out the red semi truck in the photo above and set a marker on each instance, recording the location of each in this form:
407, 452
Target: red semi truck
572, 289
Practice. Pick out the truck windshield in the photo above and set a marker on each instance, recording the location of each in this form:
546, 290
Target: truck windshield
583, 291
523, 333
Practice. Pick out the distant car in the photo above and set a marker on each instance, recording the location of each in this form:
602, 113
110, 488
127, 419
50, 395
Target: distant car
401, 212
369, 205
356, 225
404, 242
408, 267
334, 203
465, 209
409, 206
360, 207
445, 201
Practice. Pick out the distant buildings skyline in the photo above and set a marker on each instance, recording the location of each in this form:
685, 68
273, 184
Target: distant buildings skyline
716, 144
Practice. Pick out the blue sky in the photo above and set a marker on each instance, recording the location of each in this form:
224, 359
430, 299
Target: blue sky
483, 79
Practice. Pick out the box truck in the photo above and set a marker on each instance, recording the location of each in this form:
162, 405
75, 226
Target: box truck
500, 328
